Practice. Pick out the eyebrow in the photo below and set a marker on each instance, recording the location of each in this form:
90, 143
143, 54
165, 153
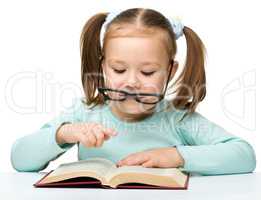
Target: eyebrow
142, 63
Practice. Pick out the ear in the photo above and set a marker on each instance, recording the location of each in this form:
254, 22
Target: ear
175, 66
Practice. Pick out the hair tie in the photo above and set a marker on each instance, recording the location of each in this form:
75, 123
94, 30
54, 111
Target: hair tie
175, 22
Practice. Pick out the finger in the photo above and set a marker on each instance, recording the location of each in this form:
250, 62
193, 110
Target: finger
82, 139
92, 139
148, 163
127, 158
99, 138
136, 159
85, 138
108, 131
88, 140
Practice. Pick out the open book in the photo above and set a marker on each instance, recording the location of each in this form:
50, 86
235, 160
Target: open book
100, 172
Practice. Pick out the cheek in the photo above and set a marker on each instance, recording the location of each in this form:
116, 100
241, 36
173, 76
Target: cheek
153, 85
115, 82
112, 80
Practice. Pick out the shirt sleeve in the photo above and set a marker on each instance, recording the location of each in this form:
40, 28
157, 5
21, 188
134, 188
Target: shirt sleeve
34, 151
208, 149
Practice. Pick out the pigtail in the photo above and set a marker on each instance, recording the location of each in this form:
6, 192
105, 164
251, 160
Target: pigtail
192, 80
91, 55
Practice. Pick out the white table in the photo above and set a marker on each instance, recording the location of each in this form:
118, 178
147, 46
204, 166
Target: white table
233, 187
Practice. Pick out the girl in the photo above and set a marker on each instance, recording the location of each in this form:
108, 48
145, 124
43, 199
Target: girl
128, 59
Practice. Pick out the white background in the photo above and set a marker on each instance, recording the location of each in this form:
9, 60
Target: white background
40, 63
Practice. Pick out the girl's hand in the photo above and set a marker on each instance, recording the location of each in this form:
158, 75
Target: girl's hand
161, 157
89, 134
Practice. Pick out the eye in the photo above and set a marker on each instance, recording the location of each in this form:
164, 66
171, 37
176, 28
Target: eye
148, 73
119, 71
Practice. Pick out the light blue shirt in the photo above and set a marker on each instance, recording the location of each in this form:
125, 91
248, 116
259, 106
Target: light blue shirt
206, 148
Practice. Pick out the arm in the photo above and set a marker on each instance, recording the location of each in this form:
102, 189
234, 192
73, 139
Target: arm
33, 152
209, 149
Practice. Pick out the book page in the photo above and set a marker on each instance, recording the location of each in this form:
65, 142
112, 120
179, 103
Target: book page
170, 172
97, 165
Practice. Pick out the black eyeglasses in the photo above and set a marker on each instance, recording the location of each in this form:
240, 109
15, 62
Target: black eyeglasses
145, 98
121, 95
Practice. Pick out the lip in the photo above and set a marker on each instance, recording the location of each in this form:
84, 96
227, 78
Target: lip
128, 91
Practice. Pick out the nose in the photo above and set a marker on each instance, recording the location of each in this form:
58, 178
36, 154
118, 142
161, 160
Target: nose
132, 81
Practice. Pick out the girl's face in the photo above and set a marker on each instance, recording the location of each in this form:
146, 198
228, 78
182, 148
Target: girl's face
136, 64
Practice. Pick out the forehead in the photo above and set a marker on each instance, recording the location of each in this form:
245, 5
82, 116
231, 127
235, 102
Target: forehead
136, 44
